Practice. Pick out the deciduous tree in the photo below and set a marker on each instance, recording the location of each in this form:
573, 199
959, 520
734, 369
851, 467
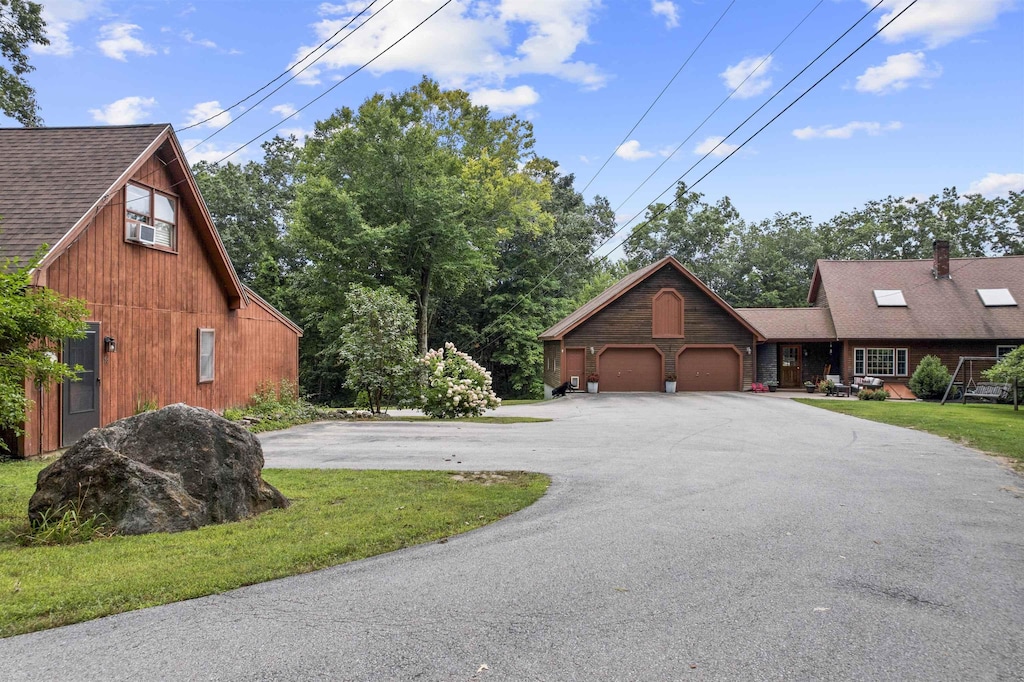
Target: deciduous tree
21, 24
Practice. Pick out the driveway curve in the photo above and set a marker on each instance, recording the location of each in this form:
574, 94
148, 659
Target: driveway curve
687, 536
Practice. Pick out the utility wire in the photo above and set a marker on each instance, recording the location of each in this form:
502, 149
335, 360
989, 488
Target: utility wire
721, 104
294, 76
671, 80
751, 137
328, 90
706, 118
283, 73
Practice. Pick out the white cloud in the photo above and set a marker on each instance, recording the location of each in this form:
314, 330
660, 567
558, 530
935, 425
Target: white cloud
630, 151
585, 159
285, 110
208, 110
59, 16
505, 101
939, 22
125, 111
667, 9
118, 41
753, 72
995, 184
847, 131
469, 43
190, 38
896, 73
300, 133
710, 143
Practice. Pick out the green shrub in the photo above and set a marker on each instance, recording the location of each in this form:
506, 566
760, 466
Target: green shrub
875, 394
930, 378
233, 414
455, 385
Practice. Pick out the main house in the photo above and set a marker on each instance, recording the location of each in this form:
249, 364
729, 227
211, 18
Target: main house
881, 317
121, 224
867, 318
657, 321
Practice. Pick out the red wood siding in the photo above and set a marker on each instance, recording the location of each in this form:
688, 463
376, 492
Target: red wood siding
152, 302
628, 321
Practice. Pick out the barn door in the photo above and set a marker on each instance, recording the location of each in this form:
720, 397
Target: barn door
80, 410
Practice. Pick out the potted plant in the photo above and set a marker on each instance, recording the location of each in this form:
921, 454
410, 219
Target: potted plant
809, 385
592, 383
670, 382
772, 385
826, 386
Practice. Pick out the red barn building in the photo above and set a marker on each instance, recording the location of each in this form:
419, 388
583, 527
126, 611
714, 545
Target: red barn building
123, 227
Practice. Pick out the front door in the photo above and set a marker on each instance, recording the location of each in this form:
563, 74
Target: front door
80, 409
575, 359
789, 367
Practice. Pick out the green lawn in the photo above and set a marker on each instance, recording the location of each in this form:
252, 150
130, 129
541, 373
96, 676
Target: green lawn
996, 429
336, 516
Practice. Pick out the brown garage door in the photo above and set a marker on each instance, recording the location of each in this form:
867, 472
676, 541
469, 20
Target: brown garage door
631, 369
708, 369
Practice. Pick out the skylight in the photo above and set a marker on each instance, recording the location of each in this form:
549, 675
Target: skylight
996, 297
890, 298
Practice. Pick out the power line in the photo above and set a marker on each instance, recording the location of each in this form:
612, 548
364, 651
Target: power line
706, 118
671, 80
751, 137
721, 104
283, 73
328, 90
294, 76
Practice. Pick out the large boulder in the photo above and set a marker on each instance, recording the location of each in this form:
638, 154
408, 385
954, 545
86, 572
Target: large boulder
174, 469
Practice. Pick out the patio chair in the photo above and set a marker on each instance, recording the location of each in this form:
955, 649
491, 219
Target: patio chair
839, 388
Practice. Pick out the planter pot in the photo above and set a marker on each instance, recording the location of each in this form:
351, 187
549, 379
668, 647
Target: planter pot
670, 387
772, 389
591, 387
810, 389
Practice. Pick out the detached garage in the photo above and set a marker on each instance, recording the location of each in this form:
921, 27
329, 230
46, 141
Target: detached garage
658, 321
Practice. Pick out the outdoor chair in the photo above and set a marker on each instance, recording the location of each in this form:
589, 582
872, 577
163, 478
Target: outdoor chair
839, 387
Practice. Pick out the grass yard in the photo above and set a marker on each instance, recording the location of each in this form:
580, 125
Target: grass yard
996, 429
336, 516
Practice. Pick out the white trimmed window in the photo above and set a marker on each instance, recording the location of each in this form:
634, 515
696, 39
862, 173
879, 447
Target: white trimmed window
1004, 350
886, 362
150, 216
206, 355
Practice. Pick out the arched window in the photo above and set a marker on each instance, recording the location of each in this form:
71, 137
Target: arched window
667, 315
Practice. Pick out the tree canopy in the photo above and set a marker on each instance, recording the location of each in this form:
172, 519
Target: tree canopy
21, 24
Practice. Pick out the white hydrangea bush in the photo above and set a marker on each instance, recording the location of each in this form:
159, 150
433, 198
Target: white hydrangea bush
455, 385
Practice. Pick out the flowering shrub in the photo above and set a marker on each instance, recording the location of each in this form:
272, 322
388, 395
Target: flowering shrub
455, 385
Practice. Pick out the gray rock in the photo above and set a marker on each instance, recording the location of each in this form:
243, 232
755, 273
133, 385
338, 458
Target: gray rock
173, 469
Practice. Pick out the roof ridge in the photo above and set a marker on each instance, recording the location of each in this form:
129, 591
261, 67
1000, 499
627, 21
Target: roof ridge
106, 127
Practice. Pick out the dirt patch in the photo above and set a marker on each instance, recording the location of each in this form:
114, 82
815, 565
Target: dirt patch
481, 477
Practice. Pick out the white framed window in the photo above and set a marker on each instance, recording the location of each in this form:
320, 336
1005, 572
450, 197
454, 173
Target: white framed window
206, 348
1004, 350
994, 298
886, 362
150, 216
890, 298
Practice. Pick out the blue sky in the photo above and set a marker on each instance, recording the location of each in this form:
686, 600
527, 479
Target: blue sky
936, 100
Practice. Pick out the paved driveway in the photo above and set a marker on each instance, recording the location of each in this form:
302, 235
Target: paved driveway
714, 536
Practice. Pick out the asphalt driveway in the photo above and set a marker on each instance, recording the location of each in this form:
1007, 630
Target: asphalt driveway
712, 536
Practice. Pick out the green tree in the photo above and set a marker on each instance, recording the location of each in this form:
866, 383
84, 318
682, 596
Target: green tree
1009, 368
21, 24
249, 204
377, 343
33, 322
703, 237
437, 183
773, 263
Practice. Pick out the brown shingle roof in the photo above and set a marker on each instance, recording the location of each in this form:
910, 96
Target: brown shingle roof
595, 304
51, 177
793, 324
936, 309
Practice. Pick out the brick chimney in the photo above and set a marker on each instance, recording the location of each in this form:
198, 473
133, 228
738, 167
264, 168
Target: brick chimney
941, 267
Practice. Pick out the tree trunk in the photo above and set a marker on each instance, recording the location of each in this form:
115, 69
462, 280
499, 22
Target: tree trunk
422, 307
